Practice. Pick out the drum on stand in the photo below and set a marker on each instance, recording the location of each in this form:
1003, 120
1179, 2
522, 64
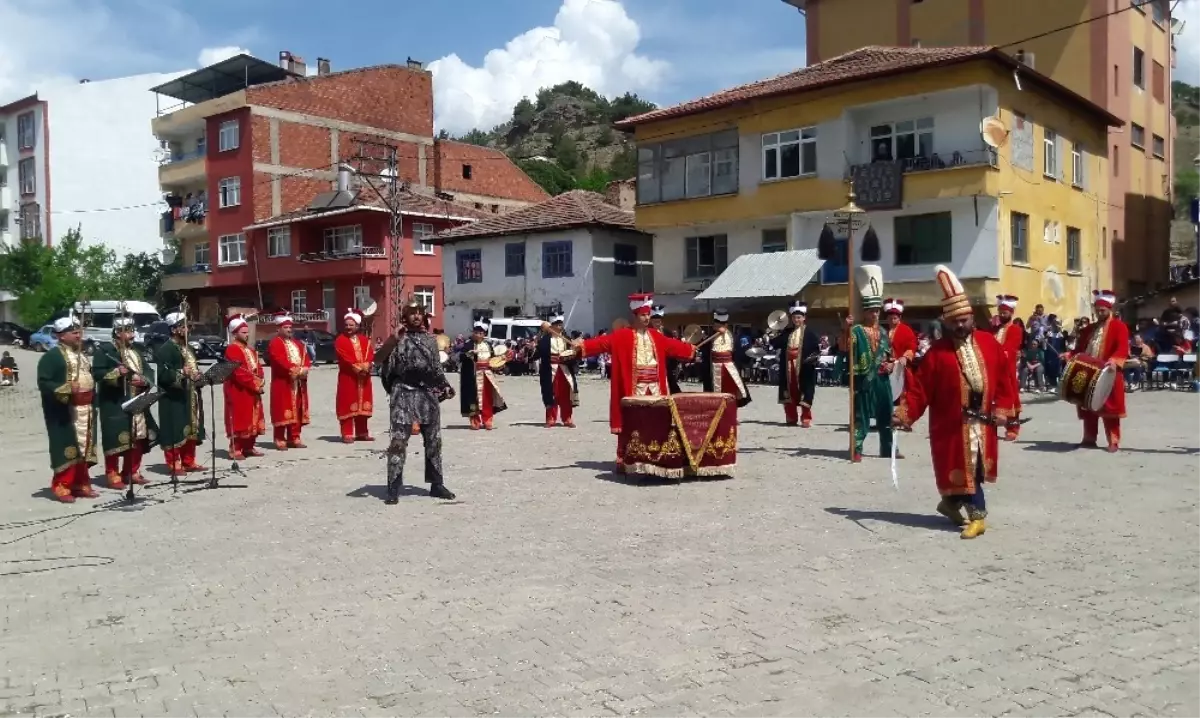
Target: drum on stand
1087, 382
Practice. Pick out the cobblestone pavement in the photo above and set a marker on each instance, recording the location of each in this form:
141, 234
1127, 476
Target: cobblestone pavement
806, 585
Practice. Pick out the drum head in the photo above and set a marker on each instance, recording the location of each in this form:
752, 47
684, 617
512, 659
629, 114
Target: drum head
1101, 388
897, 380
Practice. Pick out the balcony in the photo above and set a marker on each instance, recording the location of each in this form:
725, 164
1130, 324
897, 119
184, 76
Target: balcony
178, 279
183, 169
6, 198
183, 119
880, 184
334, 255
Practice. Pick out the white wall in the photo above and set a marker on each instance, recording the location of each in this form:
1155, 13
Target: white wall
497, 291
975, 242
610, 291
102, 155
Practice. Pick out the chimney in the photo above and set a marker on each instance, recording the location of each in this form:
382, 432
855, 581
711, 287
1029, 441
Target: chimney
415, 64
298, 66
343, 177
291, 63
322, 66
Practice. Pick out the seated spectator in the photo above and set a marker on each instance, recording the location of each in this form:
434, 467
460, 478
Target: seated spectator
8, 366
1141, 358
1033, 367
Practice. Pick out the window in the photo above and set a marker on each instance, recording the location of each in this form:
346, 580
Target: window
1158, 81
556, 260
27, 175
481, 315
279, 241
424, 295
421, 232
1159, 148
3, 221
512, 312
1077, 165
329, 296
31, 221
231, 249
1073, 247
230, 191
299, 301
343, 240
1137, 135
466, 171
1050, 156
1020, 238
1158, 12
200, 253
789, 154
470, 266
836, 270
774, 240
693, 167
514, 259
229, 137
362, 296
902, 140
923, 239
544, 312
1139, 68
26, 131
625, 257
706, 257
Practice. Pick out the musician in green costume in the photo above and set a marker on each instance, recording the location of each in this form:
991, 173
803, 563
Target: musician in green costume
870, 355
179, 409
121, 375
64, 379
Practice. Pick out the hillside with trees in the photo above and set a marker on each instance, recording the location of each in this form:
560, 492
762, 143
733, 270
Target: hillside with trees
1186, 103
564, 138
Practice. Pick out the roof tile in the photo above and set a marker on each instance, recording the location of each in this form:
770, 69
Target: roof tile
577, 208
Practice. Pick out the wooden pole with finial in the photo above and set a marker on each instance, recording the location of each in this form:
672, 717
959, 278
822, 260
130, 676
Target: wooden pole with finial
849, 215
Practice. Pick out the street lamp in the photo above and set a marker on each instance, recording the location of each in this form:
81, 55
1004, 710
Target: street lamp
849, 219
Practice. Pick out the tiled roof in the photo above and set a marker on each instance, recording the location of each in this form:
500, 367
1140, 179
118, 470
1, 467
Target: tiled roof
578, 208
411, 203
493, 173
866, 63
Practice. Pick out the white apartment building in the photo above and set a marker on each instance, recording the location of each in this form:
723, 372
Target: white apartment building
574, 253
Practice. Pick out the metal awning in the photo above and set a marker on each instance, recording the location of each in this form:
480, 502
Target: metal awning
765, 276
223, 78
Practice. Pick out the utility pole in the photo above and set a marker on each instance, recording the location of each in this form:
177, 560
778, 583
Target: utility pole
377, 163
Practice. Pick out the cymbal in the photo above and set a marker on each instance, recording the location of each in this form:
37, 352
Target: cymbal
443, 342
692, 333
777, 320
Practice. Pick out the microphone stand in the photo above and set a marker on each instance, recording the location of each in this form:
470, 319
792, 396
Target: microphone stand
213, 482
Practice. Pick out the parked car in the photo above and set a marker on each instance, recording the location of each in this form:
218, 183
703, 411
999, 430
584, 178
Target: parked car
319, 343
43, 339
12, 334
206, 344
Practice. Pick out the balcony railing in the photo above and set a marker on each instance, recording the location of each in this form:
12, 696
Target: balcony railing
880, 184
189, 269
331, 255
183, 156
939, 161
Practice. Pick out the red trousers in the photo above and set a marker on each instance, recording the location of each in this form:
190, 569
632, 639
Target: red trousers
1091, 428
486, 408
181, 457
133, 461
73, 479
288, 434
562, 400
354, 428
795, 413
244, 446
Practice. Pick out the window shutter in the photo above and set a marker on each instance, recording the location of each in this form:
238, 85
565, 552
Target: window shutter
1083, 168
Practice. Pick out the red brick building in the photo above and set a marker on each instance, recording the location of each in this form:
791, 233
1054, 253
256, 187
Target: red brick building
254, 144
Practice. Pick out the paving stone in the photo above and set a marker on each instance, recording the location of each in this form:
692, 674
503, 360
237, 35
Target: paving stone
803, 586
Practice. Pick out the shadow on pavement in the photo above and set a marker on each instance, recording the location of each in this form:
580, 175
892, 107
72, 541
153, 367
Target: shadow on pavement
918, 521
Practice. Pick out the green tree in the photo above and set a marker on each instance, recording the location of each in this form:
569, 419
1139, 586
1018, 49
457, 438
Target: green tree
476, 137
624, 163
523, 115
548, 175
1187, 186
628, 105
596, 180
567, 154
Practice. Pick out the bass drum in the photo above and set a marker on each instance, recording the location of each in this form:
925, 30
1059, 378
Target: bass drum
1087, 382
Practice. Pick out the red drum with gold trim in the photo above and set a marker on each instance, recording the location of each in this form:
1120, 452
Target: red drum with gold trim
693, 434
82, 398
1087, 382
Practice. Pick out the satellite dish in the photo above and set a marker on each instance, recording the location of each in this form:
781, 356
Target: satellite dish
994, 132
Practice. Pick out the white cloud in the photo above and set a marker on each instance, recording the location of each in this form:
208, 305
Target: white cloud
592, 41
1188, 43
213, 55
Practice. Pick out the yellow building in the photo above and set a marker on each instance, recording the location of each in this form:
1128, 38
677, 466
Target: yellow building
1117, 53
761, 167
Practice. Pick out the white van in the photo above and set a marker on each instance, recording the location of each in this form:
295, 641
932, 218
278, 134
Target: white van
98, 317
504, 330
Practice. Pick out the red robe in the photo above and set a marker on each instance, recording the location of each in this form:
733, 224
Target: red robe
243, 394
940, 388
354, 392
620, 345
904, 345
289, 392
1114, 344
1012, 340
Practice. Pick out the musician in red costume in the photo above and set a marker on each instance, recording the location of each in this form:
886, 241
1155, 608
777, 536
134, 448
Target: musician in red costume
1106, 339
902, 336
244, 420
354, 402
968, 387
290, 365
639, 357
1011, 338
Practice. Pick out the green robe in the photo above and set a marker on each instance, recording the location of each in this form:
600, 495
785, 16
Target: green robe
872, 392
71, 429
179, 407
118, 429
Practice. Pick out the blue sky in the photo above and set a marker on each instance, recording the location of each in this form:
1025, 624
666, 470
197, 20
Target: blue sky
667, 50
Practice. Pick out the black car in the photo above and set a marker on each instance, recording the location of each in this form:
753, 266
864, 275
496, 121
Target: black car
319, 343
12, 334
206, 344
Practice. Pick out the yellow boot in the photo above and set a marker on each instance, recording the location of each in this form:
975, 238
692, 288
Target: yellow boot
974, 528
952, 511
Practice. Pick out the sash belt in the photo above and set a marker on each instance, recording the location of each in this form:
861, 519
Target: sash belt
646, 375
722, 357
482, 365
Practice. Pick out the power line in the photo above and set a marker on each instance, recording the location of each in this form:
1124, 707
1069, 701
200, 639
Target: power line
1071, 26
